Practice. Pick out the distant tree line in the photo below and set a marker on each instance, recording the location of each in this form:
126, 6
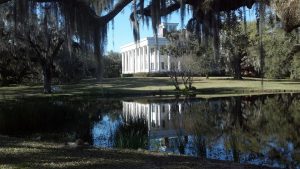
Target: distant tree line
243, 51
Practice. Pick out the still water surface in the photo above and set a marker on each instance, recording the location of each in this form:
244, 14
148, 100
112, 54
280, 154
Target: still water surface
261, 130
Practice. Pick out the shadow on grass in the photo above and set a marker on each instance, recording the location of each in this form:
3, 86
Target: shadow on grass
222, 90
18, 153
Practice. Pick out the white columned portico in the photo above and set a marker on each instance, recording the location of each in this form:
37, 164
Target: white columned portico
145, 57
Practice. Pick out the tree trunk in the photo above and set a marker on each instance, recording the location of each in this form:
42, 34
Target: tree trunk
201, 146
47, 78
98, 55
235, 148
237, 69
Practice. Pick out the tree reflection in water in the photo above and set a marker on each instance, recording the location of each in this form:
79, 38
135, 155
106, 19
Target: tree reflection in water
262, 130
258, 129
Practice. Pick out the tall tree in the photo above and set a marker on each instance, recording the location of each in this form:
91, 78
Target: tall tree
46, 39
89, 18
235, 43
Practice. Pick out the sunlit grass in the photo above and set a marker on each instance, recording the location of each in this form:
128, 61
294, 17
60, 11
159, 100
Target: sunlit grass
155, 86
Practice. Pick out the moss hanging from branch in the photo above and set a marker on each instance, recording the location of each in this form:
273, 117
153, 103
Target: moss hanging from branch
80, 19
245, 19
261, 21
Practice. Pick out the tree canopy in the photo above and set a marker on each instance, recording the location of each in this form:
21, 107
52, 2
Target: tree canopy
88, 19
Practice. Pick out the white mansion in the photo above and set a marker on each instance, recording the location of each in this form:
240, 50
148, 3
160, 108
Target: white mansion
144, 56
161, 120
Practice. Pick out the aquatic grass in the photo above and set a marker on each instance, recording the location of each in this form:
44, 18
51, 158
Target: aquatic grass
132, 133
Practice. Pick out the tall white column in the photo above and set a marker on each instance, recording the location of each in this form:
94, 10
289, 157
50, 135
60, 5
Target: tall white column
123, 63
139, 65
127, 61
135, 60
154, 59
146, 59
143, 59
149, 59
142, 56
130, 63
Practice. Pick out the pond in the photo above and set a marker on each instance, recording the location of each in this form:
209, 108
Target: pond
260, 130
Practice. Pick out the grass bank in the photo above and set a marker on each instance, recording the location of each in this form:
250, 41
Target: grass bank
154, 86
18, 153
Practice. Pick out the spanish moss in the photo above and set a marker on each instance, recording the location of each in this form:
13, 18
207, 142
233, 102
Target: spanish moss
261, 24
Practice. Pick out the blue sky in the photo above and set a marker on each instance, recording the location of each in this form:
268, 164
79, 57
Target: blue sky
122, 32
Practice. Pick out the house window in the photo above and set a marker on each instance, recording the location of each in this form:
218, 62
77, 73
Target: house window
152, 66
162, 65
172, 66
163, 109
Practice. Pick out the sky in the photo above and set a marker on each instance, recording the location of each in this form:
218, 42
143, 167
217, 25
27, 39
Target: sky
122, 32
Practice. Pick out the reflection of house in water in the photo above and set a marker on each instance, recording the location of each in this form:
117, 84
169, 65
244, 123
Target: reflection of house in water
167, 121
162, 119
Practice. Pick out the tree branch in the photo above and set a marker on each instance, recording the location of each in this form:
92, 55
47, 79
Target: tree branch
57, 48
147, 11
117, 9
120, 5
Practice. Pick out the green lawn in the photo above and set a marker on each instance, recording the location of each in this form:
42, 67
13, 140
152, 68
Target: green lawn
126, 87
18, 153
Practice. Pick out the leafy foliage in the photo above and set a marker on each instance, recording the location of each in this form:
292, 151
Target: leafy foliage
278, 47
112, 65
234, 43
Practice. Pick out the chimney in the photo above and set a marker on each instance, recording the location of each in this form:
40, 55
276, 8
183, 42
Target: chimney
164, 28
